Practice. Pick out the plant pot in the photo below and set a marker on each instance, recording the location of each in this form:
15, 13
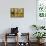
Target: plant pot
38, 40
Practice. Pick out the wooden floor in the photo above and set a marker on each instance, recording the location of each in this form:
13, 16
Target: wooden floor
13, 44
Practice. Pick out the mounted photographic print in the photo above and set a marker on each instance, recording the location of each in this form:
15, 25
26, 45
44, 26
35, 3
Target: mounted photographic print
41, 12
17, 12
41, 8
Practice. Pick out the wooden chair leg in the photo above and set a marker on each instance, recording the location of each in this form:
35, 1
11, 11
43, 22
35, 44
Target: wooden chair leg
5, 39
5, 43
17, 39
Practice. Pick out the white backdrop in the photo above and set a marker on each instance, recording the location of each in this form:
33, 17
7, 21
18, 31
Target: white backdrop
24, 24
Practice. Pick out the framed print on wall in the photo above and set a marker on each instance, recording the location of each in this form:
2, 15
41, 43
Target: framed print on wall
41, 12
41, 8
17, 12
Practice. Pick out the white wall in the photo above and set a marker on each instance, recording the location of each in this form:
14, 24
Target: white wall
23, 23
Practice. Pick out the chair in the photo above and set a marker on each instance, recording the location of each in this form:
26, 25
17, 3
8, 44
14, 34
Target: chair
14, 32
25, 36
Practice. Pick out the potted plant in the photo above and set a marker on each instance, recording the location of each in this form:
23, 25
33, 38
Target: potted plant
35, 26
42, 27
38, 27
39, 35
